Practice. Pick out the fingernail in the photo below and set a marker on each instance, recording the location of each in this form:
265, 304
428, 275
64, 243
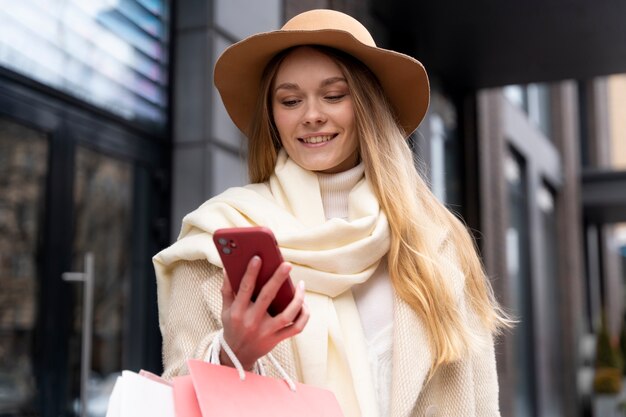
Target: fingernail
287, 267
256, 260
301, 285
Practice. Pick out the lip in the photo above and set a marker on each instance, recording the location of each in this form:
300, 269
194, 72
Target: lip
302, 139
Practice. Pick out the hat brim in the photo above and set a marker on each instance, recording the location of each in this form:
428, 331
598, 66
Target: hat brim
239, 69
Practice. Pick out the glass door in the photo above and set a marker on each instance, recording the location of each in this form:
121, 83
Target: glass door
23, 172
102, 207
62, 198
102, 210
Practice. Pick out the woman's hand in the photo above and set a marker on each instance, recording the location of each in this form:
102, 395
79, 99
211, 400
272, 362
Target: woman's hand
248, 329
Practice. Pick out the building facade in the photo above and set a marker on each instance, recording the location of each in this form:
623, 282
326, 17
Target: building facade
84, 169
111, 131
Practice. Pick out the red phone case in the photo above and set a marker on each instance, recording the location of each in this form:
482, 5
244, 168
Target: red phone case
236, 246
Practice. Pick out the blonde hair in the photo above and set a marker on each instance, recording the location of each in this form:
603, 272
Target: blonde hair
412, 210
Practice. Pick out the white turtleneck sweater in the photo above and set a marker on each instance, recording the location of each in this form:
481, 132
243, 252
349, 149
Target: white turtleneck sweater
374, 298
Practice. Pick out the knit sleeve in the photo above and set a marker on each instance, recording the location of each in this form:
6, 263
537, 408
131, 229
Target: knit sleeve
193, 317
481, 360
486, 381
483, 364
193, 314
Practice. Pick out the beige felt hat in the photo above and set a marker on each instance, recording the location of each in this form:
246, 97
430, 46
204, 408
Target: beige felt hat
239, 69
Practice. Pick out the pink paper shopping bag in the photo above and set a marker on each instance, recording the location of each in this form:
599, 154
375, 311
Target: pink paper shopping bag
219, 391
185, 400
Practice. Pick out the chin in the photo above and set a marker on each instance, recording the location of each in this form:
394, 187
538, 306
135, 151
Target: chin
316, 167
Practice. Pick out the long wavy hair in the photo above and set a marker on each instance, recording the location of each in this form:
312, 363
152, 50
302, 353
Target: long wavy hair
415, 265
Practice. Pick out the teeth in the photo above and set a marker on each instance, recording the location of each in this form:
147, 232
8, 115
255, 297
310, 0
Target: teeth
317, 139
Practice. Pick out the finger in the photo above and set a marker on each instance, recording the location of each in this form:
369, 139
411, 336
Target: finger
290, 313
302, 319
227, 293
246, 286
270, 289
297, 326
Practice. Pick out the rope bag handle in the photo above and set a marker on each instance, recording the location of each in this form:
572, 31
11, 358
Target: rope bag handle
219, 343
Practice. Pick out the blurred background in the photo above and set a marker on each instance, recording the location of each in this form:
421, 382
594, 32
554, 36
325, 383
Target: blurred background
111, 131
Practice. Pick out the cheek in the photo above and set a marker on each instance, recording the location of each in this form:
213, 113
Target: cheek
347, 115
349, 122
354, 137
284, 125
282, 122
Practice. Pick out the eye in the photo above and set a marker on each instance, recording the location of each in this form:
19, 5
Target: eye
290, 102
335, 97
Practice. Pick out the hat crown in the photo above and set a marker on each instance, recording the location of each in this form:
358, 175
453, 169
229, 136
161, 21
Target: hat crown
330, 20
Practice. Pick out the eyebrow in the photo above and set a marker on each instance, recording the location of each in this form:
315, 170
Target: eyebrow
333, 80
324, 83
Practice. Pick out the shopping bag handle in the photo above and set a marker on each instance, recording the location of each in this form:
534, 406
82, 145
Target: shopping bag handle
219, 343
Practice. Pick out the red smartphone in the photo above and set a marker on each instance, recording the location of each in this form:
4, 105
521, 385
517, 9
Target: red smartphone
238, 245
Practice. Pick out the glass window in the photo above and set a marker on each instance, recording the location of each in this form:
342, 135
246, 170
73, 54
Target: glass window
545, 199
534, 99
437, 156
23, 170
617, 120
620, 235
445, 153
112, 54
518, 267
517, 95
539, 110
620, 241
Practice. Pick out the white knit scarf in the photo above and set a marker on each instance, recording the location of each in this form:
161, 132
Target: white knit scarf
329, 256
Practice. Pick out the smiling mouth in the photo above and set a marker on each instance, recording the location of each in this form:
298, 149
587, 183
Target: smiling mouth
318, 139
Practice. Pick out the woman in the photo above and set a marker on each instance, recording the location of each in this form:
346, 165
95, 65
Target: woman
399, 318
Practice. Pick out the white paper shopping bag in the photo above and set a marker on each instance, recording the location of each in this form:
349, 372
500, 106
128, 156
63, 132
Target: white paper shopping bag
135, 395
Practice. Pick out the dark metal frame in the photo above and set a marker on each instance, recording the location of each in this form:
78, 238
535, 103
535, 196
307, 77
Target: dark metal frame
69, 123
604, 196
501, 125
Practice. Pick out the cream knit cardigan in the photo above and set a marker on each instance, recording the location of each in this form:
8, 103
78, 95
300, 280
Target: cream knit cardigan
468, 388
330, 256
191, 315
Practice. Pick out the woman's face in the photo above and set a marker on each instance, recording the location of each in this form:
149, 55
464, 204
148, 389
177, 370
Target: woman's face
313, 112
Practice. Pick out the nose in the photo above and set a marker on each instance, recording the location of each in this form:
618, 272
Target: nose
314, 115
